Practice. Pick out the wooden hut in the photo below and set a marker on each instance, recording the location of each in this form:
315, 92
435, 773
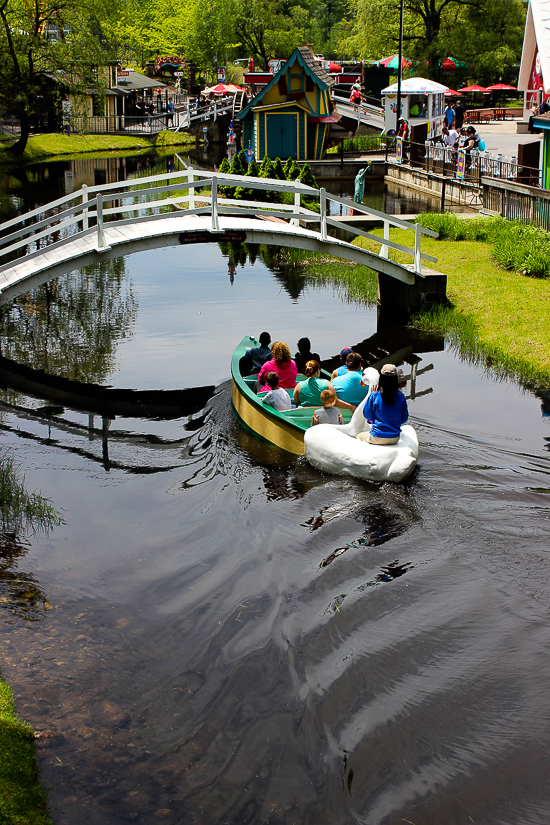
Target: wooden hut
291, 116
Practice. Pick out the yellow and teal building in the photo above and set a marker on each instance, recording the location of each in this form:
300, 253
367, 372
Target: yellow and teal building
292, 115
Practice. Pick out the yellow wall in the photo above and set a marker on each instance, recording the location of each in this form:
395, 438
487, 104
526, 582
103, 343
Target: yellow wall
273, 96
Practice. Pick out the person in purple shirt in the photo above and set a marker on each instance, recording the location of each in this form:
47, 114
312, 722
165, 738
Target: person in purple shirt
386, 409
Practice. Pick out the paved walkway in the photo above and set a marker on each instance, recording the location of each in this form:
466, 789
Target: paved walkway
502, 137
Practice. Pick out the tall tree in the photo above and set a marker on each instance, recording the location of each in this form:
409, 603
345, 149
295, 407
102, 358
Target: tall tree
436, 28
270, 28
38, 36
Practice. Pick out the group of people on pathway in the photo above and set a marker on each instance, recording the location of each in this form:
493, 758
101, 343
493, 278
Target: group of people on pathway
385, 408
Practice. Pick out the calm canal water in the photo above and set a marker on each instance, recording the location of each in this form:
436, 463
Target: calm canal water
221, 634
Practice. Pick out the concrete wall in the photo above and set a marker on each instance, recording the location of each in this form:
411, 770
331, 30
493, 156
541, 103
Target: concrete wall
431, 184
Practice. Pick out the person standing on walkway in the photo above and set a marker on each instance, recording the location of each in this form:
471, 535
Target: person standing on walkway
449, 114
460, 111
170, 110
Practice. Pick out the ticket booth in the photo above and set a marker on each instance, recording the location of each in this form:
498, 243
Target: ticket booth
422, 102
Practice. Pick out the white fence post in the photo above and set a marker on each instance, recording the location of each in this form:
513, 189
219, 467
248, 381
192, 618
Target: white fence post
384, 249
190, 179
323, 203
85, 222
296, 221
215, 221
417, 259
100, 232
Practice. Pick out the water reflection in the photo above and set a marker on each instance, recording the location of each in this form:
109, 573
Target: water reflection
71, 325
21, 595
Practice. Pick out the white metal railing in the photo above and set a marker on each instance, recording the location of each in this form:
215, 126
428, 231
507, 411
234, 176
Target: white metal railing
364, 108
483, 163
67, 219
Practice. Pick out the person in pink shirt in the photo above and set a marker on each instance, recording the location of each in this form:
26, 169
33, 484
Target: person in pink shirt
282, 364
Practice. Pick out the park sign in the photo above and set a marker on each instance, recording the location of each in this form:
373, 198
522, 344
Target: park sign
123, 74
275, 65
178, 74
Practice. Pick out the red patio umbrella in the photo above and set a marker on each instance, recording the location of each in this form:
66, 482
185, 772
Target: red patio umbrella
221, 89
473, 88
452, 93
334, 67
501, 87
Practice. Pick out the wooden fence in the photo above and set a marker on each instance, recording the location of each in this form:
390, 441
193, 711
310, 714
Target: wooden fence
516, 201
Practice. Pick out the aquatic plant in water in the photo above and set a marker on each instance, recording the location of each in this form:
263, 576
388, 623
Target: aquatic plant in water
21, 513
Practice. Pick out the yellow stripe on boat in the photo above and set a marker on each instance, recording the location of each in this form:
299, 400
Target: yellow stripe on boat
264, 424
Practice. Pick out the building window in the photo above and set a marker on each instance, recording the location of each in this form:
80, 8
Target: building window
97, 106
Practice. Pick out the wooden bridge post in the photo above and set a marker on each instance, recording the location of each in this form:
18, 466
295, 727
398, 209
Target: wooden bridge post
190, 179
323, 204
100, 232
85, 222
296, 221
384, 249
215, 221
417, 259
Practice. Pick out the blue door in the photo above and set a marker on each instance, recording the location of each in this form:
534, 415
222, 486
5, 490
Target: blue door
282, 135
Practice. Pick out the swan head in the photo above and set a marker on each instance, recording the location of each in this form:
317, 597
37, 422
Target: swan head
370, 376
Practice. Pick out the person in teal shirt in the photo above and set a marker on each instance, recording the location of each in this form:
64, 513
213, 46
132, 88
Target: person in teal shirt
308, 393
349, 386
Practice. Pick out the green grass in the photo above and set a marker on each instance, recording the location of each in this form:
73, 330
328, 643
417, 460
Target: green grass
498, 317
58, 145
22, 797
523, 248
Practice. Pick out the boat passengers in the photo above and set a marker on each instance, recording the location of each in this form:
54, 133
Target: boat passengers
349, 387
308, 393
305, 354
277, 398
343, 369
281, 363
386, 409
256, 357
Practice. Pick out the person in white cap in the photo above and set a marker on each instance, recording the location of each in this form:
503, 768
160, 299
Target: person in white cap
386, 409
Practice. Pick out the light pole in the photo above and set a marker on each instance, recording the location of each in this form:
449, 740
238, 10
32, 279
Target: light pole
400, 67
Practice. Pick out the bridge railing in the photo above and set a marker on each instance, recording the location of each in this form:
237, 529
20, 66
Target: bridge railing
367, 108
190, 192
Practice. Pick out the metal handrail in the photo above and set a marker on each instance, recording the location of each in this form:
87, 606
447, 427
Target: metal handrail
189, 180
367, 108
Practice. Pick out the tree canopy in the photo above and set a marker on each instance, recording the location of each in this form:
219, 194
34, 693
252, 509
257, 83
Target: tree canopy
72, 38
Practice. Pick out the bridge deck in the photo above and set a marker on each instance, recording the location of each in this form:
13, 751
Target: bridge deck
77, 229
170, 230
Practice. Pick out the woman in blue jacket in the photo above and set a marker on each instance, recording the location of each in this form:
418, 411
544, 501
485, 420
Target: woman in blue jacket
386, 409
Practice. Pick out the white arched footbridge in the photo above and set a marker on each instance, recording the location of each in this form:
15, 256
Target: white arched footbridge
100, 222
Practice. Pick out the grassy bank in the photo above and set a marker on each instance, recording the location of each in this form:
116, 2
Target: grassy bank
497, 316
42, 147
22, 797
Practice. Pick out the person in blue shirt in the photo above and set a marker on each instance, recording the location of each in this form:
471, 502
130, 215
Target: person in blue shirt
343, 369
349, 386
386, 409
255, 358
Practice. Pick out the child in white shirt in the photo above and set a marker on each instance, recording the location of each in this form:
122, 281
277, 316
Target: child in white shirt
276, 397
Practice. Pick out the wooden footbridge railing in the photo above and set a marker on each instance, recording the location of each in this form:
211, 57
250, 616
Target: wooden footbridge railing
185, 207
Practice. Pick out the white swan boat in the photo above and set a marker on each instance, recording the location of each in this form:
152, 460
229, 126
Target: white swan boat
334, 449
